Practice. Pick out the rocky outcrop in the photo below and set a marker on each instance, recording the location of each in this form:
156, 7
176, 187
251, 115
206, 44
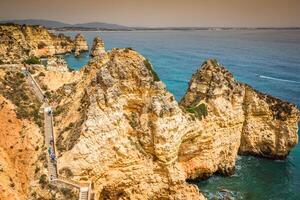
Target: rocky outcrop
239, 119
129, 135
80, 44
57, 64
98, 47
19, 42
270, 126
133, 127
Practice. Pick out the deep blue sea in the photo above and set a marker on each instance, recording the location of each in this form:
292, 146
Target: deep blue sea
269, 60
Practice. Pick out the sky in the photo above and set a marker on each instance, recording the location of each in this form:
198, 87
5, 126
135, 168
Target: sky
159, 13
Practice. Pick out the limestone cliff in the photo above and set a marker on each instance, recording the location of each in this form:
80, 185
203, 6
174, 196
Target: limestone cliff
57, 64
80, 44
18, 42
239, 119
98, 47
23, 156
21, 139
121, 128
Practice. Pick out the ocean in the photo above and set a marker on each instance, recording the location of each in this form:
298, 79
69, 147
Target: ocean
268, 60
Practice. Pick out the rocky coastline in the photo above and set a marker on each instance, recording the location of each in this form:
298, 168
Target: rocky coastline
21, 42
117, 125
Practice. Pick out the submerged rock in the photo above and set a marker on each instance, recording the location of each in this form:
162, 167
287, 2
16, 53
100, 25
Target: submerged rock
80, 44
98, 47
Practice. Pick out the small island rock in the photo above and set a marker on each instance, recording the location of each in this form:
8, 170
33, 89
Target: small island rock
80, 44
98, 47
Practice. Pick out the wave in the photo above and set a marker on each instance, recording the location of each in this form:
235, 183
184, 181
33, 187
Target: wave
277, 79
177, 81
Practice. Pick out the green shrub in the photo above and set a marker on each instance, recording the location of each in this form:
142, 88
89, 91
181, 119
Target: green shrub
59, 146
44, 87
214, 62
31, 70
200, 110
43, 180
20, 75
14, 88
42, 74
127, 49
58, 110
68, 193
9, 24
37, 169
32, 60
41, 45
48, 94
42, 157
204, 63
67, 171
69, 127
150, 68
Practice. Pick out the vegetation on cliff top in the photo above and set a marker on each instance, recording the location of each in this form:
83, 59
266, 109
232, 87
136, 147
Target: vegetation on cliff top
32, 60
15, 89
199, 110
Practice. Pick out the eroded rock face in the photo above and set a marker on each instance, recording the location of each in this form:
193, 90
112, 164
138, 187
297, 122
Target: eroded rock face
126, 132
18, 42
270, 126
57, 64
98, 47
240, 119
128, 142
80, 44
21, 138
215, 149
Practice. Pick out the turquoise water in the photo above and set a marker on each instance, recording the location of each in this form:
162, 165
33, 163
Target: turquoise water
268, 60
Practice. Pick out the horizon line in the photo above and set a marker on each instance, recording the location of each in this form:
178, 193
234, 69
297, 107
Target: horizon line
3, 21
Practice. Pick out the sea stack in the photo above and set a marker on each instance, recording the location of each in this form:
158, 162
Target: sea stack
98, 47
80, 44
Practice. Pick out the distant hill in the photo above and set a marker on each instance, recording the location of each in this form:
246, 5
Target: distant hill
45, 23
100, 25
57, 24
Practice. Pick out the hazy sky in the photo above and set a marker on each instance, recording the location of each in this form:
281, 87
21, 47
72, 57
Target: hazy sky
159, 12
